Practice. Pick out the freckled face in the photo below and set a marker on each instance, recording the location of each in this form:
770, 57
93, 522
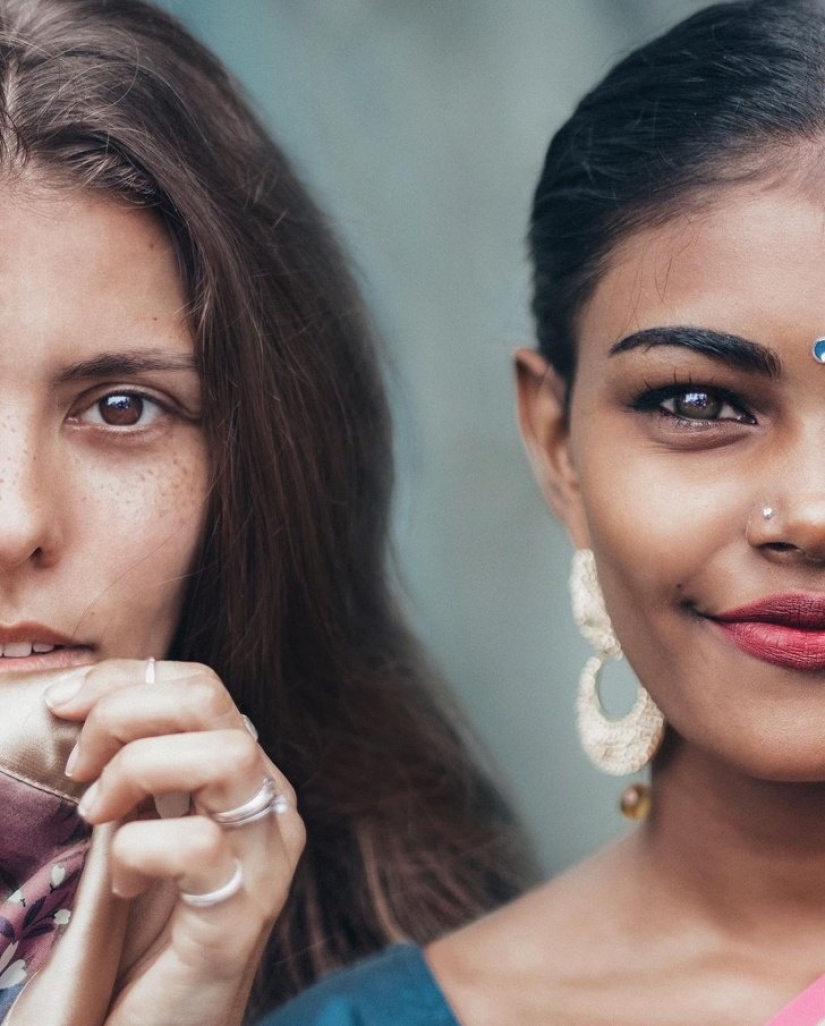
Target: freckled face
103, 465
676, 452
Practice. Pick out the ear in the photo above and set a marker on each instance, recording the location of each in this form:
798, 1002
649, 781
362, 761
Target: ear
542, 404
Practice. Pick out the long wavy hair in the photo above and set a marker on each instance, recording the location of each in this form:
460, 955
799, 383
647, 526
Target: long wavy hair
289, 600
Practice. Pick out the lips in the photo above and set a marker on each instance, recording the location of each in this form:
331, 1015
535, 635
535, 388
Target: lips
786, 630
37, 647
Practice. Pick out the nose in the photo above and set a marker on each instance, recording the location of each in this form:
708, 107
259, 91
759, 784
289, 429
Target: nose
790, 527
29, 527
786, 523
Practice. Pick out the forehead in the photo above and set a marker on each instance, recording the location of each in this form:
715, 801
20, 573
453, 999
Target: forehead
81, 274
750, 260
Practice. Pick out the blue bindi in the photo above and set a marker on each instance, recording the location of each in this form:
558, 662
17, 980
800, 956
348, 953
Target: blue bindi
818, 350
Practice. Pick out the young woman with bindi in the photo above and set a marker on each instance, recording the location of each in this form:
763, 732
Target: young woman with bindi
674, 414
194, 600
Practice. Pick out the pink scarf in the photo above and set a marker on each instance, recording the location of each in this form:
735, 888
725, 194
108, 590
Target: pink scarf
808, 1009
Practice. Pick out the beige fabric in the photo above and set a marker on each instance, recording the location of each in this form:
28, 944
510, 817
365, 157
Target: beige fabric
34, 744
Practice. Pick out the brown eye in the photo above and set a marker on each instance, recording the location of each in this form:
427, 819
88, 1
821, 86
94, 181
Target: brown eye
121, 410
700, 405
697, 406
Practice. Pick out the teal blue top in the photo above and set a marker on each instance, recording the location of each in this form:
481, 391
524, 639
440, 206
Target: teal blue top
395, 988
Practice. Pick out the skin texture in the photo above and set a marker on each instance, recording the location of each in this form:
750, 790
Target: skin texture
100, 523
104, 478
712, 910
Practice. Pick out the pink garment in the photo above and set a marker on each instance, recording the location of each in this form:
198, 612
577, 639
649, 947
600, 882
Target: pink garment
808, 1009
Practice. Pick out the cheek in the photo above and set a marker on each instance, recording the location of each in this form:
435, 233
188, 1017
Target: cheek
145, 530
665, 528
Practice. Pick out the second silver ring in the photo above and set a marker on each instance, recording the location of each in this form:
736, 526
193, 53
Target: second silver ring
267, 801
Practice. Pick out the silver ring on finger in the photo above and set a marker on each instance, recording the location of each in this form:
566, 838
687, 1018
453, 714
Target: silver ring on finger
219, 895
267, 801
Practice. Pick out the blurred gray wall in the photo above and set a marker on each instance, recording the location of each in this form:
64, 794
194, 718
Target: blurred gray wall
421, 126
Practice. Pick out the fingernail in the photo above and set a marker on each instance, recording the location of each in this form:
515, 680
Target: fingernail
87, 802
62, 692
71, 762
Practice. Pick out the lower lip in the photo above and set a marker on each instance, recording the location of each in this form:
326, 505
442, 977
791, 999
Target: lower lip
57, 659
789, 647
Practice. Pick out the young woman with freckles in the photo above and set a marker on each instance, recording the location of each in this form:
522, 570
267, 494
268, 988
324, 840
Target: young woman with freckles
194, 487
674, 414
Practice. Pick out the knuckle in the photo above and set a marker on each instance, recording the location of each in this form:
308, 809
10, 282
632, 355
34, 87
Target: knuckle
295, 837
103, 718
211, 699
123, 851
205, 840
290, 792
242, 752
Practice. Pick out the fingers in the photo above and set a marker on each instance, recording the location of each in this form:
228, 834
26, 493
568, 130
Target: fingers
221, 768
199, 856
180, 733
183, 733
193, 854
118, 707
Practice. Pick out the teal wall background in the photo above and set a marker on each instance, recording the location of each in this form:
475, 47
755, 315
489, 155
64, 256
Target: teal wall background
421, 126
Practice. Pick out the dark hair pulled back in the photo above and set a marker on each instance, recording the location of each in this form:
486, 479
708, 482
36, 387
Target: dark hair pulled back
725, 96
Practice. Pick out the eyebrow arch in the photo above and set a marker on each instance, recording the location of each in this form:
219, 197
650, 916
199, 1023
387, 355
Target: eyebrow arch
125, 364
718, 345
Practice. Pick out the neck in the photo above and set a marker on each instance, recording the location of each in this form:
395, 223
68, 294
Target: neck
749, 853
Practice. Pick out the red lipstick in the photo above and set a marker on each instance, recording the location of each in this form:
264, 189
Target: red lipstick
786, 630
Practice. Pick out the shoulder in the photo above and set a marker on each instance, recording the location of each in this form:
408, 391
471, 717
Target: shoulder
393, 987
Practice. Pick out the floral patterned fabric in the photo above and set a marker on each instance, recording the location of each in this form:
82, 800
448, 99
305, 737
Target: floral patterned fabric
43, 843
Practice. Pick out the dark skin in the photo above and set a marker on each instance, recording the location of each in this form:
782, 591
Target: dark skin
696, 403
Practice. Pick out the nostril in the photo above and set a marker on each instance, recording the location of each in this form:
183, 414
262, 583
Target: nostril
781, 546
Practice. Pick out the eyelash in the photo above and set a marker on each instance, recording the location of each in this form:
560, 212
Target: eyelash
653, 400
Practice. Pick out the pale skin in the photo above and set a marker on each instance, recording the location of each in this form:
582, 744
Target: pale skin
713, 910
104, 478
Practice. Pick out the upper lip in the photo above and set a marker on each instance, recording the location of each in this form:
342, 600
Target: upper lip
802, 610
38, 634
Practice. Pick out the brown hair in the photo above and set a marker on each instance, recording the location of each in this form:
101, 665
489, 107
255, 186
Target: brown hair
289, 601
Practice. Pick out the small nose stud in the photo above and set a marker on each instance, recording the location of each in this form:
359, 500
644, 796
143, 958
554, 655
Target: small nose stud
768, 512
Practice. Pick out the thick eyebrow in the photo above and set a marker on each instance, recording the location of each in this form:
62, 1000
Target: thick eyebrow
718, 345
125, 364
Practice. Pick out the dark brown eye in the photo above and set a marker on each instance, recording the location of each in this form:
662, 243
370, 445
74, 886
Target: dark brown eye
121, 410
697, 406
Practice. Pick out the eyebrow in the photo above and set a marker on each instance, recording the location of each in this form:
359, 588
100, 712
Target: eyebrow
125, 364
718, 345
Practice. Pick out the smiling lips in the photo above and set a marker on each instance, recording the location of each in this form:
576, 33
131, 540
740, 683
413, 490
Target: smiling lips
786, 630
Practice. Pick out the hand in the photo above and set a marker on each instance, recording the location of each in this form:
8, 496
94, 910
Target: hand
182, 733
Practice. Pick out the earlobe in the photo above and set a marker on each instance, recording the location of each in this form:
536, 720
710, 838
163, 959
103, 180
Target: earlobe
542, 412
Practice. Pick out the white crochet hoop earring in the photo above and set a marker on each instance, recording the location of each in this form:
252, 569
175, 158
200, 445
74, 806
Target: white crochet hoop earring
622, 746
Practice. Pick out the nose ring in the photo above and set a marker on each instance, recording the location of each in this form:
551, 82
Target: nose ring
768, 512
